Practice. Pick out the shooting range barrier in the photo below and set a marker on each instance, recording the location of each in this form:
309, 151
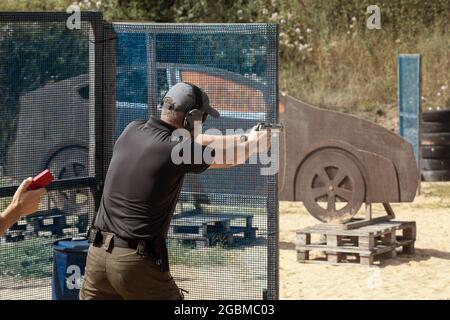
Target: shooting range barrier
66, 95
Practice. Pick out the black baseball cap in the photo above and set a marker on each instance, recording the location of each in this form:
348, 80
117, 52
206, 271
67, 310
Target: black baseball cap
183, 97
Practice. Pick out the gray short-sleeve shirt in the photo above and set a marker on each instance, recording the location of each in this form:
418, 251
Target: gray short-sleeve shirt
143, 184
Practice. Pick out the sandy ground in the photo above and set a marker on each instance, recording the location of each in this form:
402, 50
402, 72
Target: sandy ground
423, 275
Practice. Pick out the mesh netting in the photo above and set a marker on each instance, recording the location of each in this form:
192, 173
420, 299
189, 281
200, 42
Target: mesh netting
223, 238
236, 66
45, 123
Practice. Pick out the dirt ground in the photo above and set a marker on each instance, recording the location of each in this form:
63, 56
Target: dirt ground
20, 289
423, 275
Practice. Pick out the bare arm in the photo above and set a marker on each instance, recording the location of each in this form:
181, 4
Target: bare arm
240, 154
231, 151
24, 203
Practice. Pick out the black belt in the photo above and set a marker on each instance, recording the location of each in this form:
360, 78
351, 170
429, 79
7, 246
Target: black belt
126, 243
143, 247
119, 241
154, 248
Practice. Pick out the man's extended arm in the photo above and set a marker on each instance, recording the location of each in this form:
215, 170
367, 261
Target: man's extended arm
24, 203
230, 151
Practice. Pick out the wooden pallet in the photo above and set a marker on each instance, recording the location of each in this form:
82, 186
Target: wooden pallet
53, 222
363, 245
210, 229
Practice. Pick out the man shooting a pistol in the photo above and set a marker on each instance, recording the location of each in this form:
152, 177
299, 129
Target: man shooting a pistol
127, 258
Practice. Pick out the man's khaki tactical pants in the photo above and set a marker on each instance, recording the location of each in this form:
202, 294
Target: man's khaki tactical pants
120, 273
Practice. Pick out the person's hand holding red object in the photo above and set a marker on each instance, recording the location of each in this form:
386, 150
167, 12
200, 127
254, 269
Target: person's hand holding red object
25, 202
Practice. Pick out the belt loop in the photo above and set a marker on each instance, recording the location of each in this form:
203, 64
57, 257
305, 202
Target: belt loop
107, 242
140, 250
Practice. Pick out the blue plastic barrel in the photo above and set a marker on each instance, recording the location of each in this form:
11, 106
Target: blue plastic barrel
69, 261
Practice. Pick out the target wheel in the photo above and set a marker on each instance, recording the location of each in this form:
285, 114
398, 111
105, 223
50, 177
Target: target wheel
331, 186
69, 163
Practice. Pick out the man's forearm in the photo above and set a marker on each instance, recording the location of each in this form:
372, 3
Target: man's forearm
231, 150
234, 156
8, 218
219, 142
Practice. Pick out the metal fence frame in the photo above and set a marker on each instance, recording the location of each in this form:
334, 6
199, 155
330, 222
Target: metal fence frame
96, 158
102, 110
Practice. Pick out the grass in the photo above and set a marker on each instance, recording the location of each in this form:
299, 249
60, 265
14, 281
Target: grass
434, 195
358, 74
180, 254
436, 189
30, 258
33, 258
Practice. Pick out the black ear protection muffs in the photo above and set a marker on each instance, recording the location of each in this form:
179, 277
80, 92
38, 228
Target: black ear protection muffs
195, 114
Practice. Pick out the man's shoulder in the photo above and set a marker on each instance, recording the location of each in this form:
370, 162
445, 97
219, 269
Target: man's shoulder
134, 125
137, 123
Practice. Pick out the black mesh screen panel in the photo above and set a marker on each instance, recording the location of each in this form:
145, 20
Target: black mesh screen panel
223, 237
65, 97
47, 121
